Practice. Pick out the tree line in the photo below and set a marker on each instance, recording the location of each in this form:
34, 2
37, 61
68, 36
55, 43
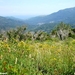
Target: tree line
62, 31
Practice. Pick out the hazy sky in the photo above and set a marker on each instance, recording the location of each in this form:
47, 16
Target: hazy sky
33, 7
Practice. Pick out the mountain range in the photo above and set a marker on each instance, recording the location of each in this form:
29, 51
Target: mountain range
41, 22
66, 15
10, 22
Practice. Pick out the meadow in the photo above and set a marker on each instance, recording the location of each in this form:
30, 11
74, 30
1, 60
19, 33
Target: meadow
49, 57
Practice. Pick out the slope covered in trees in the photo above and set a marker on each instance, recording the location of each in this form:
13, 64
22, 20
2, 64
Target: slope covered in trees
6, 23
65, 15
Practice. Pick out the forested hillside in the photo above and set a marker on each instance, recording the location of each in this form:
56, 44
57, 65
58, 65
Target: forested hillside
45, 23
48, 27
65, 15
6, 23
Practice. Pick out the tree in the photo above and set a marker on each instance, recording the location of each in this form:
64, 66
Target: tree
62, 30
17, 33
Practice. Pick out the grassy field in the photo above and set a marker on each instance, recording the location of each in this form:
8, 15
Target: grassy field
50, 57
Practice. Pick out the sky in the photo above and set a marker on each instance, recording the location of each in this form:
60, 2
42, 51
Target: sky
33, 7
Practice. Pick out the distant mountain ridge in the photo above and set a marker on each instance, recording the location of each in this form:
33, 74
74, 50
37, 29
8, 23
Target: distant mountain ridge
7, 22
41, 22
66, 15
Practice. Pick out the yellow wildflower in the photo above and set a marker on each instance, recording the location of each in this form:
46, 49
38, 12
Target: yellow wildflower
21, 44
54, 59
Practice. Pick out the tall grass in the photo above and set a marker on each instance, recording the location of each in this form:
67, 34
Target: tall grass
37, 58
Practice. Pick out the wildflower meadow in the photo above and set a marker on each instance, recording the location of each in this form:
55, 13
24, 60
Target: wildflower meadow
49, 57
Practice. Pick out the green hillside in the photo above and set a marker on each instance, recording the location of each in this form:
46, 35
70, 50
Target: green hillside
65, 15
6, 23
48, 27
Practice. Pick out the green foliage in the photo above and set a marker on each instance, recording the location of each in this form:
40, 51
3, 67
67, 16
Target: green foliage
62, 31
40, 35
36, 53
16, 33
7, 23
48, 27
48, 57
63, 26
